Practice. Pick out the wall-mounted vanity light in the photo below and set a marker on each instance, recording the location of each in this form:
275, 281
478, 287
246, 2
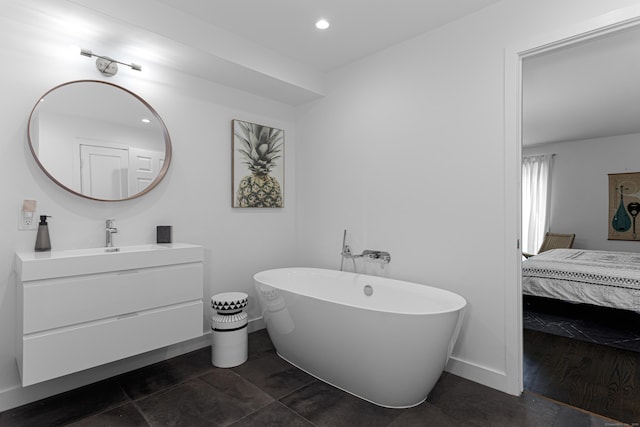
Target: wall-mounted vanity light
108, 66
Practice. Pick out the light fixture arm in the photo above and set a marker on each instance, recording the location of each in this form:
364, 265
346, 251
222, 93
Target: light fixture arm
106, 65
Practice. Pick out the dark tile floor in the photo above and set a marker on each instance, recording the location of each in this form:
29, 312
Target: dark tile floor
267, 391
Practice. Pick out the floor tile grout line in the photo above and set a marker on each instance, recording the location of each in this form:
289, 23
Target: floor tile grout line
313, 379
317, 380
142, 413
250, 413
296, 412
131, 400
200, 380
165, 389
279, 399
171, 386
107, 409
275, 400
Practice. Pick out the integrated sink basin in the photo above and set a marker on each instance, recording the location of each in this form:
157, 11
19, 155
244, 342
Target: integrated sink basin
97, 251
73, 262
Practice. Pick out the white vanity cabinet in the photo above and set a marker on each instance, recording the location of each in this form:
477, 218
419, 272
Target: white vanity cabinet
80, 309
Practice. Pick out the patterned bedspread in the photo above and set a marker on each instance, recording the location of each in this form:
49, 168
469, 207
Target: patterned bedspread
610, 279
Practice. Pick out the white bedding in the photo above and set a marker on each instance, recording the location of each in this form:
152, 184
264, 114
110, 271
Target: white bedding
610, 279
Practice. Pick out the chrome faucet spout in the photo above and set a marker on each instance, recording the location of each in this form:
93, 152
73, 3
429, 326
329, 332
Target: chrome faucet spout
110, 231
382, 256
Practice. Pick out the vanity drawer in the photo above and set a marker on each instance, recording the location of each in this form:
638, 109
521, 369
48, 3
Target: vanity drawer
55, 303
54, 353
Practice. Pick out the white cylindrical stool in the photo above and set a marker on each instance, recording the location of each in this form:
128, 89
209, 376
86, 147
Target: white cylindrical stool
229, 340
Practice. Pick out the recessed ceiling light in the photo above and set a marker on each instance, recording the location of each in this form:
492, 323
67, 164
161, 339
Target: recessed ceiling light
322, 24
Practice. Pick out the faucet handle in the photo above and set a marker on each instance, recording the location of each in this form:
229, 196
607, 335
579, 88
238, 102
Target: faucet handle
383, 256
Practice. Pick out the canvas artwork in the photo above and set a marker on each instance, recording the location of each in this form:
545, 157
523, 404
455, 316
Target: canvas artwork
624, 206
258, 166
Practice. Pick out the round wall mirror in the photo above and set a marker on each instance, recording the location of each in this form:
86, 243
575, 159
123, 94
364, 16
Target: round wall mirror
99, 140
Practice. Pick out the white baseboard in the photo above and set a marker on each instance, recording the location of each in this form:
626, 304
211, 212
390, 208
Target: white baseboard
256, 324
17, 396
480, 374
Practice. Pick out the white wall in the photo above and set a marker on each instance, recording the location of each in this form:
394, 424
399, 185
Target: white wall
407, 152
194, 197
580, 187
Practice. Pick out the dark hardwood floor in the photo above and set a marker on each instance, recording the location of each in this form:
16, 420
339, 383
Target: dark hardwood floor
597, 378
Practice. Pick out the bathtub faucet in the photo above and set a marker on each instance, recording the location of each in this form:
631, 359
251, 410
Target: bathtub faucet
367, 253
383, 256
380, 256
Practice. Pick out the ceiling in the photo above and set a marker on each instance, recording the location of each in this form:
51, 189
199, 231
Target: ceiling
583, 91
358, 27
272, 49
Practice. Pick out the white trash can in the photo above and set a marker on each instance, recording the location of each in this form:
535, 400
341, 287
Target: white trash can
229, 339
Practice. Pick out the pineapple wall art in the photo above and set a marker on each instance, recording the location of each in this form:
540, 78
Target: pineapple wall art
258, 166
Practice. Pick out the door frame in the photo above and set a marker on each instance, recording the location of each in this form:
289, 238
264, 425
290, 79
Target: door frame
514, 55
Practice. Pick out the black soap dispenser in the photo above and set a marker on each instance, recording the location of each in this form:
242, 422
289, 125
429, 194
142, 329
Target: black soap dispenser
43, 243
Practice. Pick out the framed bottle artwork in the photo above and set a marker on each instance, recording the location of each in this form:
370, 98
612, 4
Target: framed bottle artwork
624, 206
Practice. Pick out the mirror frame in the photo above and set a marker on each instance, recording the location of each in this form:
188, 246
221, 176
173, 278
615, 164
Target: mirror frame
165, 132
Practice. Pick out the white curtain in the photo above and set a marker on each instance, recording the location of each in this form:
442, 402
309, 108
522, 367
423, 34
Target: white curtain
536, 198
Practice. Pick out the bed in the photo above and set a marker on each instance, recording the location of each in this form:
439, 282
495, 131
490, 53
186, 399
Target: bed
609, 279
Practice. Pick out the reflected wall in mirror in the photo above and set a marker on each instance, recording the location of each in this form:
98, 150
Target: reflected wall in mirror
99, 140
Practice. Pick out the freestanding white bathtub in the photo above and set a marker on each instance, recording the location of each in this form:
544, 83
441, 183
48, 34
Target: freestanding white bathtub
383, 340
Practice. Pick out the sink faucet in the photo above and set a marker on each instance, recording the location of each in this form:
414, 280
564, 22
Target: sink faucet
110, 230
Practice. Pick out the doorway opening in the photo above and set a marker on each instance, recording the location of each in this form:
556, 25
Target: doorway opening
521, 129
